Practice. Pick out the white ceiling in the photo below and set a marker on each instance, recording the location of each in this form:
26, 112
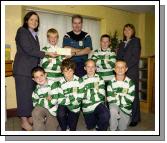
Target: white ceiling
134, 8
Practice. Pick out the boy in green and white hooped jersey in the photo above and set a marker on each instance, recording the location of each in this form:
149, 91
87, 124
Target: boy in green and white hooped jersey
70, 97
95, 112
105, 58
45, 101
121, 93
52, 65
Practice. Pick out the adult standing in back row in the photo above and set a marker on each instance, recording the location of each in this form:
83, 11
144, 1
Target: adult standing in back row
129, 51
80, 42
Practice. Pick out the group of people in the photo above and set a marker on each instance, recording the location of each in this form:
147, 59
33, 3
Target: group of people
53, 89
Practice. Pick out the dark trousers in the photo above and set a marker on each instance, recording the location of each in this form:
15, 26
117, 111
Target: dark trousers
99, 117
136, 105
66, 118
79, 71
106, 84
24, 88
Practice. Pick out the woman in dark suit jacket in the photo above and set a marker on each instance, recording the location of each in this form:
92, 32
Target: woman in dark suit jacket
27, 57
129, 51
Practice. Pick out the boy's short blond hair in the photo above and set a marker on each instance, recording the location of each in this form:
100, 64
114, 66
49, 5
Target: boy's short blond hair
123, 61
89, 61
52, 31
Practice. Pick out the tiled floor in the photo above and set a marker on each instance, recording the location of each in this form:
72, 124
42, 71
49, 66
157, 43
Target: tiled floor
146, 124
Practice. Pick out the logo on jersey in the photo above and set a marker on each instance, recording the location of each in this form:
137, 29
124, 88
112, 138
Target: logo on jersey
80, 43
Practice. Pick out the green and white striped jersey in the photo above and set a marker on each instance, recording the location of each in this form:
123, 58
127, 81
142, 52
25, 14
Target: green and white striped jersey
105, 62
94, 92
52, 65
121, 93
71, 94
40, 94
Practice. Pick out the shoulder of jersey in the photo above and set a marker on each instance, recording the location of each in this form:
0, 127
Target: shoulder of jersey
85, 34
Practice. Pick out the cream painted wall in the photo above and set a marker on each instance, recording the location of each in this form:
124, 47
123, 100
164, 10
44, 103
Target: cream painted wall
141, 30
111, 20
13, 19
149, 35
10, 93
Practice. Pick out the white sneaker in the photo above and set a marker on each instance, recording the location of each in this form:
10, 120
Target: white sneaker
67, 129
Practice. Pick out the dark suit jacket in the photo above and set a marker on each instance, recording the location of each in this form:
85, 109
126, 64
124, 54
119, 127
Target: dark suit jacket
28, 52
131, 54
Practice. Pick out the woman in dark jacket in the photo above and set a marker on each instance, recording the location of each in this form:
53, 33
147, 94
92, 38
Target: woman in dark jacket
129, 51
27, 57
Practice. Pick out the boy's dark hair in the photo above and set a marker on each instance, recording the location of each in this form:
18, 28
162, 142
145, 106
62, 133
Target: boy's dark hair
77, 16
27, 17
36, 69
105, 36
133, 29
68, 64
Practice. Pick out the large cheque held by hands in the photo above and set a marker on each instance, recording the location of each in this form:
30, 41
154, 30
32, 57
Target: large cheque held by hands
64, 51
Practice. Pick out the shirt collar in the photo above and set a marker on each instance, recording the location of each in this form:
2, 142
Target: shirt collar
43, 86
108, 49
74, 78
95, 75
33, 32
126, 41
52, 46
125, 79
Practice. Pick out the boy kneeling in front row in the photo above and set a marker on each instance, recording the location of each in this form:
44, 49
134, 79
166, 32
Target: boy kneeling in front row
70, 97
120, 95
45, 101
95, 112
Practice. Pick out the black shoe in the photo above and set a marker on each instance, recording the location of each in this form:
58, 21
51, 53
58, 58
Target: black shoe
23, 129
133, 124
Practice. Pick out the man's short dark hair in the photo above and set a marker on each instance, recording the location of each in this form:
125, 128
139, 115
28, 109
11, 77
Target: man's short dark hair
68, 64
77, 16
36, 69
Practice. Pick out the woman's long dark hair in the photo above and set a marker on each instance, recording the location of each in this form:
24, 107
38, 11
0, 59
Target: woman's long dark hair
133, 29
27, 17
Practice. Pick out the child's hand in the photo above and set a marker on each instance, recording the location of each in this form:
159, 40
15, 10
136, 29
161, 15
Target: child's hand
50, 60
51, 54
56, 54
66, 57
49, 98
106, 61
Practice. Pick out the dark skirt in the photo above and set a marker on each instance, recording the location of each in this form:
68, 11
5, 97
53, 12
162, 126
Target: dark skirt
24, 88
